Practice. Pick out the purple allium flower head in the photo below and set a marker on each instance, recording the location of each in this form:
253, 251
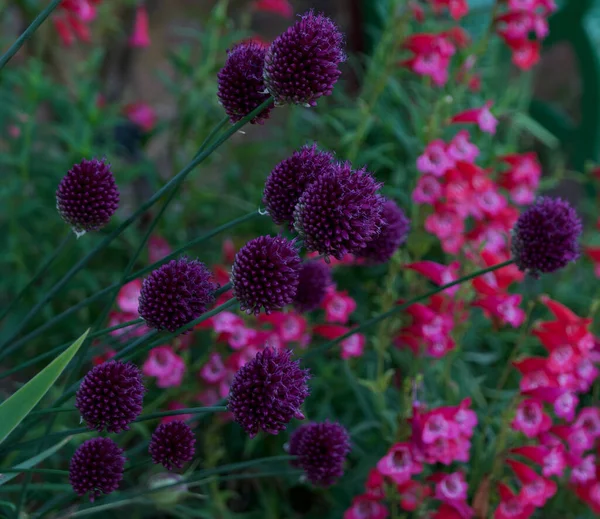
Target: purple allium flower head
110, 396
172, 444
315, 278
301, 65
340, 212
241, 84
265, 274
290, 178
175, 294
267, 392
96, 467
394, 233
546, 236
321, 449
87, 196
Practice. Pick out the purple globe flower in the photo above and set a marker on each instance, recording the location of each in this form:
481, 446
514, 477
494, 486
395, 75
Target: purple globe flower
96, 467
321, 449
265, 274
546, 236
110, 396
241, 84
302, 64
394, 233
175, 294
315, 278
267, 392
87, 196
172, 444
290, 178
340, 212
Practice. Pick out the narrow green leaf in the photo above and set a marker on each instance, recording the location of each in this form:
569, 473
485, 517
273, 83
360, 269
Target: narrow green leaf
32, 462
18, 406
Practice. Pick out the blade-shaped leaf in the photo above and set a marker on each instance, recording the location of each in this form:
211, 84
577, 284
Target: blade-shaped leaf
17, 406
32, 462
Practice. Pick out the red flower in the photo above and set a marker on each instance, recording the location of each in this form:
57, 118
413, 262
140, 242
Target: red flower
280, 7
141, 35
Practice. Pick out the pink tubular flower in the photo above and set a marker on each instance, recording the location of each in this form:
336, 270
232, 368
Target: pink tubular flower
140, 37
438, 273
365, 507
338, 306
457, 8
503, 307
480, 116
451, 488
128, 296
399, 463
214, 370
144, 116
429, 190
536, 490
412, 494
589, 421
435, 159
72, 18
352, 346
511, 506
461, 149
290, 326
531, 419
583, 470
165, 365
590, 494
280, 7
552, 459
432, 53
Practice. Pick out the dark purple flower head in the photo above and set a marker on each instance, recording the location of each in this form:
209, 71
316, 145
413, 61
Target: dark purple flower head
302, 64
340, 212
267, 392
315, 278
96, 467
110, 396
87, 196
546, 236
172, 444
394, 233
175, 294
321, 449
290, 178
241, 84
265, 274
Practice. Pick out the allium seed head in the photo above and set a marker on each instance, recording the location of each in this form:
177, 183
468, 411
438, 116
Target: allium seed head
172, 444
267, 392
315, 278
110, 396
321, 449
87, 196
301, 65
290, 178
394, 233
265, 274
241, 84
175, 294
340, 212
96, 467
546, 236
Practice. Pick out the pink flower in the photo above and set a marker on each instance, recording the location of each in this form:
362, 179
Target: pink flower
451, 488
280, 7
431, 58
590, 494
338, 306
461, 149
435, 159
214, 370
565, 405
158, 248
438, 273
144, 116
589, 421
531, 419
176, 406
375, 484
399, 463
503, 307
527, 54
141, 35
457, 8
412, 494
129, 295
365, 507
552, 459
584, 470
444, 223
165, 365
290, 326
480, 116
353, 346
536, 490
428, 191
511, 506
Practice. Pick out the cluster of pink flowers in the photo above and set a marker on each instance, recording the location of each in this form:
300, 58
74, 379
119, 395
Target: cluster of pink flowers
72, 20
563, 436
440, 435
521, 19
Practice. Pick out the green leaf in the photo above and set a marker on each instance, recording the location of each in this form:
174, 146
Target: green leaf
32, 462
18, 406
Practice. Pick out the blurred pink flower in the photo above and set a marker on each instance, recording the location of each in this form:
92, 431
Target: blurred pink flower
140, 37
165, 365
480, 116
280, 7
141, 114
129, 295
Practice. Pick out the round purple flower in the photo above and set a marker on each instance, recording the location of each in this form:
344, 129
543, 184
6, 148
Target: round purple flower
267, 392
340, 212
265, 274
290, 178
175, 294
321, 449
96, 467
87, 196
315, 278
302, 64
241, 84
394, 233
110, 396
172, 444
546, 236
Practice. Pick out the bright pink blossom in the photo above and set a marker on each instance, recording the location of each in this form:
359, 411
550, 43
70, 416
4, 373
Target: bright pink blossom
511, 506
435, 159
165, 365
280, 7
461, 149
214, 370
429, 190
480, 116
535, 490
129, 295
438, 273
530, 418
144, 116
140, 37
365, 507
338, 306
399, 463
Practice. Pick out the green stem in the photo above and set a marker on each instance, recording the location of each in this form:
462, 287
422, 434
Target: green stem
28, 33
378, 318
135, 275
144, 207
50, 472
